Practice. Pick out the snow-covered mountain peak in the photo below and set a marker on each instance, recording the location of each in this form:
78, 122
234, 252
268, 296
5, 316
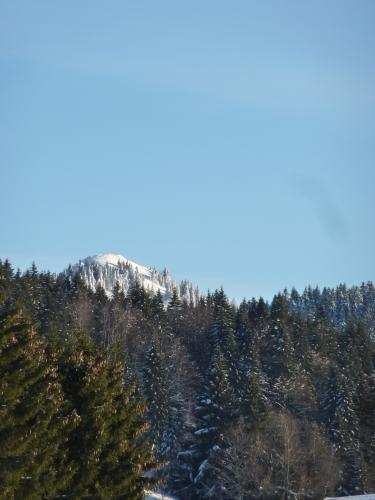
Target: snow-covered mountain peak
106, 258
107, 269
117, 260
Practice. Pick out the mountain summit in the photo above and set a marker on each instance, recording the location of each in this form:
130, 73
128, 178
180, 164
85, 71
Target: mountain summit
108, 269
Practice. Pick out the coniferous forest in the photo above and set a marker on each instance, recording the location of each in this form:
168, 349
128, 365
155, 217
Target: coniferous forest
106, 398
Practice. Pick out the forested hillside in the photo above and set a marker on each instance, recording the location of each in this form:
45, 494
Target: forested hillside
258, 400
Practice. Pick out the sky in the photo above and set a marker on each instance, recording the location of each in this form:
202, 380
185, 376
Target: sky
232, 142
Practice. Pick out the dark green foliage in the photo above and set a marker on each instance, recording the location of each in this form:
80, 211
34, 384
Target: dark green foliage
222, 325
366, 398
338, 414
232, 357
214, 412
277, 350
206, 369
70, 422
139, 298
157, 312
254, 402
118, 296
107, 448
157, 396
248, 340
32, 423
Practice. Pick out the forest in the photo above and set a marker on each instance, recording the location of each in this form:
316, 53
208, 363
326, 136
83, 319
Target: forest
107, 397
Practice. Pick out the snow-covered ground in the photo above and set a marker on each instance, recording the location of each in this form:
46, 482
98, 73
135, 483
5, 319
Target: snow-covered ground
150, 495
370, 496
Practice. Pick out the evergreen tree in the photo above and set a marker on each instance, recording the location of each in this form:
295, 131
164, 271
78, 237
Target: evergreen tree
139, 298
6, 273
366, 401
277, 350
259, 314
118, 296
222, 324
232, 356
31, 419
364, 349
300, 342
175, 312
214, 412
156, 394
107, 448
157, 312
126, 455
308, 354
248, 342
339, 416
254, 405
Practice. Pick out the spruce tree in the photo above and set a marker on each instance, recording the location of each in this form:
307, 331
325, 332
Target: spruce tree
107, 448
366, 398
118, 296
214, 412
222, 324
139, 298
247, 340
277, 350
338, 414
232, 356
32, 424
248, 359
126, 455
156, 394
175, 312
254, 404
157, 312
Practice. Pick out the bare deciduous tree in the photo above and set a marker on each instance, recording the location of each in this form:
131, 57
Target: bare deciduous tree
286, 459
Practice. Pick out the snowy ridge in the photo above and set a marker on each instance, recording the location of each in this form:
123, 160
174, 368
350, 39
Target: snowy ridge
108, 269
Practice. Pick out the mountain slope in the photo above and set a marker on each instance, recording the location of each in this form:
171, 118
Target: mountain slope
108, 269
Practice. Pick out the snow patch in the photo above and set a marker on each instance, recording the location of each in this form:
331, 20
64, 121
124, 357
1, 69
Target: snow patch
150, 495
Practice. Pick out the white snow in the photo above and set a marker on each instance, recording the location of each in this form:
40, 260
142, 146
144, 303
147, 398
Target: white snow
112, 268
205, 430
150, 495
107, 269
370, 496
114, 259
187, 454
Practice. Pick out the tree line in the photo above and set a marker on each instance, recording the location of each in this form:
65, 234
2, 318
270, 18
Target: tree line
251, 401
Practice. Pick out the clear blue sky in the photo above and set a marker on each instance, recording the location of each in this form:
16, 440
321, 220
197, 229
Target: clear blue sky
230, 141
